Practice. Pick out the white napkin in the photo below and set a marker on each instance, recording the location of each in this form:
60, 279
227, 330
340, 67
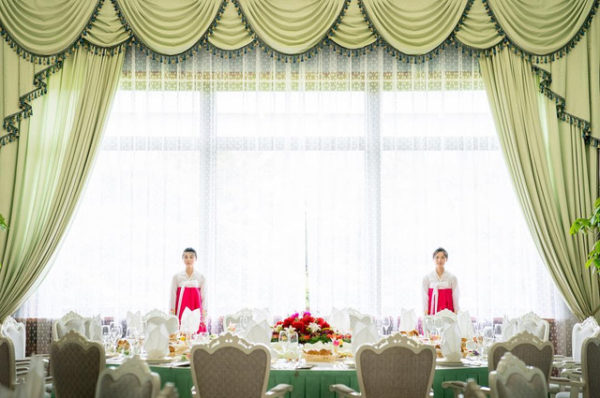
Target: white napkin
364, 334
190, 320
408, 320
465, 325
510, 327
446, 315
450, 344
358, 321
258, 332
134, 321
33, 387
93, 328
339, 320
170, 322
261, 314
16, 332
157, 341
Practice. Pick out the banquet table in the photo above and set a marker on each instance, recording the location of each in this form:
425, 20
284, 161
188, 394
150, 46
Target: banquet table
314, 383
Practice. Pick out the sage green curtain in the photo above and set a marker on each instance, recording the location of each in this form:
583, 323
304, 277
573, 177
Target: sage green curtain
51, 161
171, 30
554, 173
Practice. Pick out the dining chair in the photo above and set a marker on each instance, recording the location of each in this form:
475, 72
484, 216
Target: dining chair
514, 379
75, 364
16, 332
7, 363
230, 366
133, 379
396, 366
587, 384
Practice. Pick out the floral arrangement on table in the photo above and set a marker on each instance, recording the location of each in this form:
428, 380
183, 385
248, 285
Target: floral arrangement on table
310, 330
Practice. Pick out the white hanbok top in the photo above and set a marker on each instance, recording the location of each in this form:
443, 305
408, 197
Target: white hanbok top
181, 279
433, 281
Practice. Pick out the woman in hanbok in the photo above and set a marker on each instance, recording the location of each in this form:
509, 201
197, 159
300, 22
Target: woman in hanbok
440, 287
188, 289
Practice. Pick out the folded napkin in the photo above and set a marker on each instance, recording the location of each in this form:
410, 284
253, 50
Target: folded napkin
510, 327
450, 344
134, 321
364, 334
261, 314
190, 320
93, 328
16, 332
258, 332
408, 320
465, 325
157, 341
170, 322
446, 315
339, 320
358, 321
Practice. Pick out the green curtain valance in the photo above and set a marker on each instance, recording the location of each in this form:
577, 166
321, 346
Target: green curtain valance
44, 33
173, 29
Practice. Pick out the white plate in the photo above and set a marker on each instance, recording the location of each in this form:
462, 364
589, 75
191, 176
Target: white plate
444, 362
158, 361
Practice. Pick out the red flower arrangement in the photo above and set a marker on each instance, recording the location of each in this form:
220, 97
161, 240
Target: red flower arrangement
309, 329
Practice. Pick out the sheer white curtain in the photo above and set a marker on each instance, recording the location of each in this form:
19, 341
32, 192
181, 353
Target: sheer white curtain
326, 183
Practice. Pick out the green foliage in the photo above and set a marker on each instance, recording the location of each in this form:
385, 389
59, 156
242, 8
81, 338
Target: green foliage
590, 225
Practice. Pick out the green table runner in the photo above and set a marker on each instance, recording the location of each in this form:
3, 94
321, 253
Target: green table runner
313, 383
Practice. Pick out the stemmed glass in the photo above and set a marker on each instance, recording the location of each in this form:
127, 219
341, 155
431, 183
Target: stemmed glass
132, 335
116, 332
293, 345
283, 341
106, 337
386, 322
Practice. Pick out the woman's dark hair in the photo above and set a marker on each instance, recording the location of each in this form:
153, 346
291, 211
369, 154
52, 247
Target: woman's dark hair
441, 250
190, 250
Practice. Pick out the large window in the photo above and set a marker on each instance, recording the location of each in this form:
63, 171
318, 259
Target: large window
325, 184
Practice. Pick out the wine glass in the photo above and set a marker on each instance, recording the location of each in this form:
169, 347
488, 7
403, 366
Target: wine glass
293, 344
131, 337
386, 322
116, 332
283, 341
106, 336
498, 332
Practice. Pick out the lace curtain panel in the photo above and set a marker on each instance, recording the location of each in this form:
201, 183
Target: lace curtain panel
321, 184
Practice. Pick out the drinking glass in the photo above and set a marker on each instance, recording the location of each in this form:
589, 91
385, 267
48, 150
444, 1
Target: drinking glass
131, 337
293, 345
106, 337
116, 332
283, 341
386, 323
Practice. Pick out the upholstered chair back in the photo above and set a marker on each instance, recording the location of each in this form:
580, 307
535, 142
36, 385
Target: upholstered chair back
16, 332
591, 366
230, 366
395, 366
514, 379
582, 331
75, 364
7, 363
133, 379
528, 348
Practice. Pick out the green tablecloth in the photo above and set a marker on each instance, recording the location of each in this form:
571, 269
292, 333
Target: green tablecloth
314, 383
